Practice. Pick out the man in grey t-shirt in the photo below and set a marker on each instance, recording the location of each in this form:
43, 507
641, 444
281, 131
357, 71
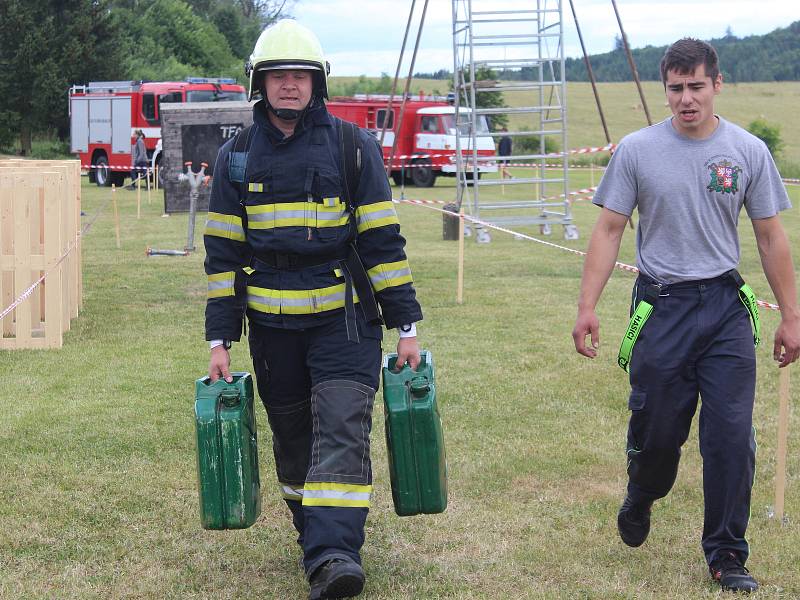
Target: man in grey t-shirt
690, 333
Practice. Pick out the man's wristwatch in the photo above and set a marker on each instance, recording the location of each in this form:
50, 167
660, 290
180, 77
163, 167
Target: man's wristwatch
227, 344
408, 330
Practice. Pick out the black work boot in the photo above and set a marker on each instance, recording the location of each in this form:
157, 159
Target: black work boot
731, 574
633, 522
336, 578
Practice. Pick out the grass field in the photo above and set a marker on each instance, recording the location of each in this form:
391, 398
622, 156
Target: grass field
98, 496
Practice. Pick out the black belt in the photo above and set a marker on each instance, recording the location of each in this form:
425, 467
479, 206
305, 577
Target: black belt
733, 274
286, 261
355, 276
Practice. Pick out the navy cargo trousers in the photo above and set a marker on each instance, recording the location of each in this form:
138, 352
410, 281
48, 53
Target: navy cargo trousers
318, 389
697, 341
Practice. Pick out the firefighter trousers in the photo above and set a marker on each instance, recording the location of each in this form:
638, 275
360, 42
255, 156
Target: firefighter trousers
697, 341
318, 389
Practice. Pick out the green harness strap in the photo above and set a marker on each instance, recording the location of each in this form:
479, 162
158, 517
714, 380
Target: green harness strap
638, 319
748, 298
645, 309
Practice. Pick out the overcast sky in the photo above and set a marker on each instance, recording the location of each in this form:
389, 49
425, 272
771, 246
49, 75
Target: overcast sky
364, 37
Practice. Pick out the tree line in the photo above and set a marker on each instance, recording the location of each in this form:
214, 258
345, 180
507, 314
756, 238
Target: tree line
771, 57
48, 45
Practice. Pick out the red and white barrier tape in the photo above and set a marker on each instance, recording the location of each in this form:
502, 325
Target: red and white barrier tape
586, 150
619, 265
574, 195
557, 166
114, 168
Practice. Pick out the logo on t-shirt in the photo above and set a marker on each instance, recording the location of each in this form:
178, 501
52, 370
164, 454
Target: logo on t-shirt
724, 177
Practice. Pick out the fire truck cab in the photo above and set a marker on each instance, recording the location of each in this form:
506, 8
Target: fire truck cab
426, 142
104, 115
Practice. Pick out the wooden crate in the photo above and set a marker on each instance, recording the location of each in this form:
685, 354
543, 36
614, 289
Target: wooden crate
39, 235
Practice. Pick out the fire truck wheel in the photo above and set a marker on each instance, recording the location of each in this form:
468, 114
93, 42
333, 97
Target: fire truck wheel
102, 174
422, 173
397, 177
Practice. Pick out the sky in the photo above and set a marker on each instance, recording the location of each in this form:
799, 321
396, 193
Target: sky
364, 37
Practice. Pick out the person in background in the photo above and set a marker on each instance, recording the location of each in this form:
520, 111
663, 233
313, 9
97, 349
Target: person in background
504, 149
689, 177
139, 159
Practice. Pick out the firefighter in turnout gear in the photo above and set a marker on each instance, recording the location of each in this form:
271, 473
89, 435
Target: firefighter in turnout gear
302, 237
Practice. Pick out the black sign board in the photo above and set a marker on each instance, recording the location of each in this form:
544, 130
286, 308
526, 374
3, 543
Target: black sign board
194, 132
201, 143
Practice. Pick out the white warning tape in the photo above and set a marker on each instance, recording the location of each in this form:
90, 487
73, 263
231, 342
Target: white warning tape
619, 265
114, 168
533, 165
487, 157
576, 195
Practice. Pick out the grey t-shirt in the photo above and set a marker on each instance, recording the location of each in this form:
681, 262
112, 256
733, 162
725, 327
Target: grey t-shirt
689, 194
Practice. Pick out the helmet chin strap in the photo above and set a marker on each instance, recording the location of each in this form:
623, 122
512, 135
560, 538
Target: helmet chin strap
286, 114
290, 114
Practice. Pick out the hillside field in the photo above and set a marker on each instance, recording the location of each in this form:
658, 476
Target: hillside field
740, 103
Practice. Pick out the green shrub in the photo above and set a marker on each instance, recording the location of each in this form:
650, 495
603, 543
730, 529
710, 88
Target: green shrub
43, 147
531, 144
767, 133
789, 170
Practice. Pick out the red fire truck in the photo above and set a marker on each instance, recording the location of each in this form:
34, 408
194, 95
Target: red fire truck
426, 143
104, 115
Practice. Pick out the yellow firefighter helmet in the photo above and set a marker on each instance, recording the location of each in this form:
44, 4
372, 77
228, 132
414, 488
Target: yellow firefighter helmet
287, 45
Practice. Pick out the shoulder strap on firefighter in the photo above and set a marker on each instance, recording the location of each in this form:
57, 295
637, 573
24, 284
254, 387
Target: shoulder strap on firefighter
354, 272
237, 162
350, 147
237, 165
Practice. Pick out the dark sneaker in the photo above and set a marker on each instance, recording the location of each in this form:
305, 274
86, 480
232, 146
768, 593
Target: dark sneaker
731, 574
336, 578
633, 522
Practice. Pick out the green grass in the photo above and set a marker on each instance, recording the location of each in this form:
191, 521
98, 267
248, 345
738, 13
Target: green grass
98, 496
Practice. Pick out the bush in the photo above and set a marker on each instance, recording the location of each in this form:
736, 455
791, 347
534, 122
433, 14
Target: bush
43, 147
767, 133
530, 144
789, 170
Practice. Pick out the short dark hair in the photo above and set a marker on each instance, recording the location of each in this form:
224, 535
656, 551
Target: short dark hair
687, 54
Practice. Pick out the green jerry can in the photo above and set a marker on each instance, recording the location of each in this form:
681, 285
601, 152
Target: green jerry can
227, 453
414, 439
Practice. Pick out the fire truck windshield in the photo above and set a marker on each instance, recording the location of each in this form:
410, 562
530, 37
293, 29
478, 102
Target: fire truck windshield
465, 124
214, 96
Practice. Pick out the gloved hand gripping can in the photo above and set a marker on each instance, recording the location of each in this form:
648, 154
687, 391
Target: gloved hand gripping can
414, 439
227, 454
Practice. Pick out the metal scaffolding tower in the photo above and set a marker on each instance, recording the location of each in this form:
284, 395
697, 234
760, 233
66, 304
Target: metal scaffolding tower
499, 47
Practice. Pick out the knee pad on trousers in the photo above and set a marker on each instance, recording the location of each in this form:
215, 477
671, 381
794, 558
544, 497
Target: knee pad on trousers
340, 471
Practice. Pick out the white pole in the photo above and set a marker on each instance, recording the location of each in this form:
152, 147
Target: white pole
783, 427
460, 289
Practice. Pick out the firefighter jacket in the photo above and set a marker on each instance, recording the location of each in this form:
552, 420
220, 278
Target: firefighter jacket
291, 203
